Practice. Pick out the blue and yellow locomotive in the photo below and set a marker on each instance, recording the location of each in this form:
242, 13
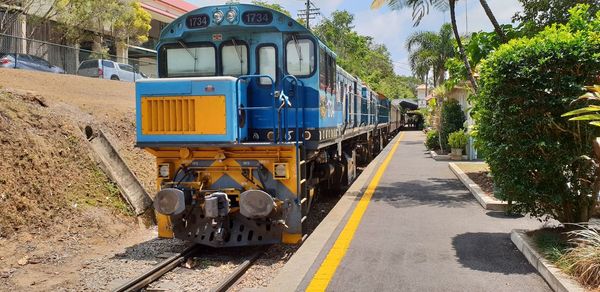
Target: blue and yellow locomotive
249, 119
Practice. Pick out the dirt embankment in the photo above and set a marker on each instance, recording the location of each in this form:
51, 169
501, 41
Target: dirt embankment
57, 206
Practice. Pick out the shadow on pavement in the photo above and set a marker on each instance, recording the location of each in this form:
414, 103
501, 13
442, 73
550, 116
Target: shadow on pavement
503, 215
431, 192
490, 252
418, 142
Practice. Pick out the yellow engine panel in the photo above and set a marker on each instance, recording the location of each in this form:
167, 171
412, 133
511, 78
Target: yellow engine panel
184, 115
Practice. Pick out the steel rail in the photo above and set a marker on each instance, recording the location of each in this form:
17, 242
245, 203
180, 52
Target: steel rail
156, 272
226, 283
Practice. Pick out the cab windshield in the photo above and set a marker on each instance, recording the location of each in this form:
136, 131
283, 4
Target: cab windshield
189, 60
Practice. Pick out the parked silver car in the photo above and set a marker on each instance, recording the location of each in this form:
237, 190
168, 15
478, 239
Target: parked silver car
107, 69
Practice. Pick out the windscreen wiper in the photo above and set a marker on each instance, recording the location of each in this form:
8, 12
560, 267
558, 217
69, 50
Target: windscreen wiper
236, 51
298, 50
182, 44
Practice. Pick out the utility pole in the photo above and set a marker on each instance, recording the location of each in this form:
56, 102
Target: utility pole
309, 13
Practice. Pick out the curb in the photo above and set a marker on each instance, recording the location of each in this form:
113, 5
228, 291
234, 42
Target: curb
299, 265
444, 157
484, 200
556, 279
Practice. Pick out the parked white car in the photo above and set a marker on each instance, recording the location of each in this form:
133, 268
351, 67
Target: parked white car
107, 69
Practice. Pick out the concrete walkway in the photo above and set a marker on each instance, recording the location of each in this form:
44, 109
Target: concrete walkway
423, 231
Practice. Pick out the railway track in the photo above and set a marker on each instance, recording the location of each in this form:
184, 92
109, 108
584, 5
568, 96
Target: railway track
153, 274
143, 280
238, 272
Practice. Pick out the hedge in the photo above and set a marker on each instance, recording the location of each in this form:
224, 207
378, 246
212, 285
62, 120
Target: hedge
532, 152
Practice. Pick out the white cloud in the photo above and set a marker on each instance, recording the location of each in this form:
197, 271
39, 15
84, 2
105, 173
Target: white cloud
389, 28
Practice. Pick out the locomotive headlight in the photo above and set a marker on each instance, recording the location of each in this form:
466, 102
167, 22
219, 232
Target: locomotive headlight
231, 15
164, 170
218, 16
169, 201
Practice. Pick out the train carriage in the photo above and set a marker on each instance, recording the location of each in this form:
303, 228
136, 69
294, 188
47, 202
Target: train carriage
249, 120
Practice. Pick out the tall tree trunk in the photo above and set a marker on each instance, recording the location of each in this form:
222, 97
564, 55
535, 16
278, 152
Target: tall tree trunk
492, 18
426, 83
442, 78
461, 49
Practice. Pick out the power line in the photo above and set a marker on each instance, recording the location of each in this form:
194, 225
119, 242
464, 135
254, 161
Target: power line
309, 13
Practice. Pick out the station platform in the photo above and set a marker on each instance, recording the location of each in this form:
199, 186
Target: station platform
408, 224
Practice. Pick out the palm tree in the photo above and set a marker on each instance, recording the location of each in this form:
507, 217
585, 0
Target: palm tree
421, 8
431, 49
493, 20
461, 48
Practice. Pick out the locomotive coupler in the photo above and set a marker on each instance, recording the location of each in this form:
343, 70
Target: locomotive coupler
222, 230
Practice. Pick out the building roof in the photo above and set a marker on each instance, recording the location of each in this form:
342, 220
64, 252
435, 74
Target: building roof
179, 4
171, 9
422, 86
406, 103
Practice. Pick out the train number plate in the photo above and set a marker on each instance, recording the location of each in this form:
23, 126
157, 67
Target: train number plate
257, 17
197, 21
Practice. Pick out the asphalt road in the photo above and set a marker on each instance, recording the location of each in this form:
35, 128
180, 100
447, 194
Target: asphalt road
423, 231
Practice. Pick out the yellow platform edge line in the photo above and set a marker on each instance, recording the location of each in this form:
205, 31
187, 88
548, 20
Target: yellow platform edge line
327, 269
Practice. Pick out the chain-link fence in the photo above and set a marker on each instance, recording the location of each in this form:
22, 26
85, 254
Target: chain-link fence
68, 59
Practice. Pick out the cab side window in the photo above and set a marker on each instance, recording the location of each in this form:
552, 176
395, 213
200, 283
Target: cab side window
332, 70
300, 57
323, 69
267, 64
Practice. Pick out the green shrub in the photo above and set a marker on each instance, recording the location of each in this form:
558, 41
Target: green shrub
534, 154
458, 139
433, 140
452, 120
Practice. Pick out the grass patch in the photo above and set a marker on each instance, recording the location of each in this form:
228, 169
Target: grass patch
583, 260
99, 191
575, 252
552, 245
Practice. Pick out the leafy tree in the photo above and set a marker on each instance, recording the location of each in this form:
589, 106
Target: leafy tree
534, 154
83, 19
277, 7
360, 56
538, 14
36, 11
420, 9
274, 6
429, 49
478, 46
134, 24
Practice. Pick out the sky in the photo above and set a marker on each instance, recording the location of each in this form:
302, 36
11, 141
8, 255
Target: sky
393, 27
